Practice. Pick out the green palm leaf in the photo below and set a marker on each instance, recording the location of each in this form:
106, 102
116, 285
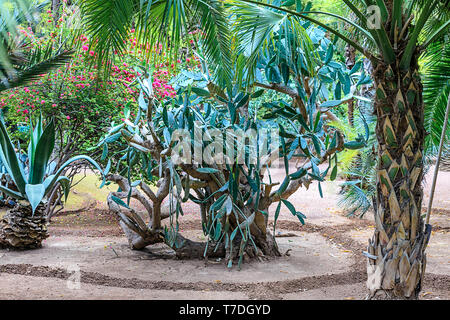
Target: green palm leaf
17, 66
255, 29
33, 68
163, 21
436, 91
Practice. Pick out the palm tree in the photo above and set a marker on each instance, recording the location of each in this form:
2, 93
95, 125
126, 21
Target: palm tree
164, 22
397, 33
20, 62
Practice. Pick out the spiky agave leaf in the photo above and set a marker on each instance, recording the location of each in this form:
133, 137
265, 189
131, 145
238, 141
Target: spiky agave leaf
42, 152
50, 181
9, 158
257, 28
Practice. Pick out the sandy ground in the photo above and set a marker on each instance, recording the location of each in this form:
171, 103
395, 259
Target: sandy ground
87, 257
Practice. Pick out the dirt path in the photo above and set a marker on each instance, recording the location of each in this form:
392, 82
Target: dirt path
323, 260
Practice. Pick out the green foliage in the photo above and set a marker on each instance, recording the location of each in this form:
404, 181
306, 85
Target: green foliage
79, 100
109, 23
359, 190
201, 106
359, 167
379, 44
382, 39
231, 198
436, 79
18, 64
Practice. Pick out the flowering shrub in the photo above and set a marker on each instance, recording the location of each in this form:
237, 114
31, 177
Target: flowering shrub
81, 100
77, 96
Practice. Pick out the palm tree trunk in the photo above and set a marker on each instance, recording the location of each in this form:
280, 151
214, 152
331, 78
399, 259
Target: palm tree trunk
20, 230
396, 252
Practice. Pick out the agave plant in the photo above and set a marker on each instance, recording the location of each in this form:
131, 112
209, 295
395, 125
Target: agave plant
25, 226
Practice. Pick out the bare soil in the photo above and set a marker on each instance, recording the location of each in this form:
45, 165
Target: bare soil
323, 259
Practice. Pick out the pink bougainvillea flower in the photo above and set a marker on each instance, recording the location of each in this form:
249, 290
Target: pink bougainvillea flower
85, 48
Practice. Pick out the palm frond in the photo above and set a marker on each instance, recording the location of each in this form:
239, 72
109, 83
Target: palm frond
439, 20
357, 192
216, 39
436, 90
257, 28
165, 22
108, 23
39, 62
254, 28
12, 14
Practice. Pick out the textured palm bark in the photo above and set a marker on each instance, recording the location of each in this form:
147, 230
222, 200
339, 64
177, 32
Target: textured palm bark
397, 260
20, 230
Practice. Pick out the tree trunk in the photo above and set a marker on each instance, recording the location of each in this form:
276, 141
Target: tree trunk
20, 230
396, 252
140, 236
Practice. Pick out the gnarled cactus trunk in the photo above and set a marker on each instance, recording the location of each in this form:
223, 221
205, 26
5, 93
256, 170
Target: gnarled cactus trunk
141, 234
397, 260
20, 230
